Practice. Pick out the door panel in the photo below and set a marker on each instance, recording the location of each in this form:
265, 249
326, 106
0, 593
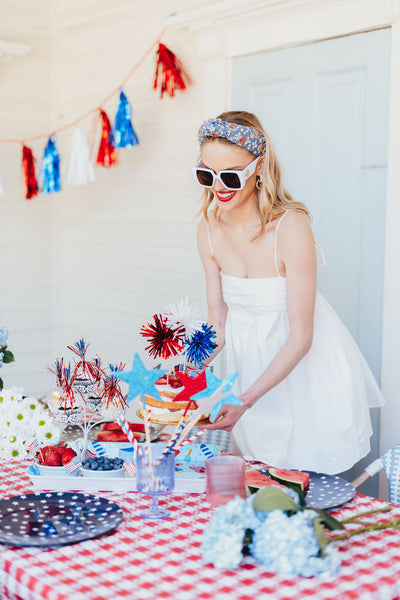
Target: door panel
325, 107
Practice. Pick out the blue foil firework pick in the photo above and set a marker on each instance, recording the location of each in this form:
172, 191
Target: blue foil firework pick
200, 346
124, 135
50, 168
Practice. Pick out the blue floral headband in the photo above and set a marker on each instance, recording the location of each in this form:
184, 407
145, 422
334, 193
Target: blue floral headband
246, 137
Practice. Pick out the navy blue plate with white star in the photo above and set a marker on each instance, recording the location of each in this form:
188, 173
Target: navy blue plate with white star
328, 491
56, 518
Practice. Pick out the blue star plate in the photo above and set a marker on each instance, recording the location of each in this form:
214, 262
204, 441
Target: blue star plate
328, 491
56, 518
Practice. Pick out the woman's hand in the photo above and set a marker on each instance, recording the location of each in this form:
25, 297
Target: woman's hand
227, 417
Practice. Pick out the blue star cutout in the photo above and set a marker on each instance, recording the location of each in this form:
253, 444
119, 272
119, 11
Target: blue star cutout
140, 380
213, 384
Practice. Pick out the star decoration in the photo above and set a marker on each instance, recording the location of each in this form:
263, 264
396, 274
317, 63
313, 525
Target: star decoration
140, 380
216, 394
192, 385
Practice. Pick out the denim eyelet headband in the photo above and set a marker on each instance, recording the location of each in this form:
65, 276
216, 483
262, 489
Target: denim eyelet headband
246, 137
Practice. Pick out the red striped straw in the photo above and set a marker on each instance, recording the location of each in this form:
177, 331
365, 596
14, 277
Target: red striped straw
125, 428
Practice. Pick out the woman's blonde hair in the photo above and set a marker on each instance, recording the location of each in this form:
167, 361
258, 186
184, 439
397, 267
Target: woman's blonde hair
272, 198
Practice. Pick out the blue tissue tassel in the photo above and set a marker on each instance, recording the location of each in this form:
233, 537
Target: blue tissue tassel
200, 345
124, 135
50, 168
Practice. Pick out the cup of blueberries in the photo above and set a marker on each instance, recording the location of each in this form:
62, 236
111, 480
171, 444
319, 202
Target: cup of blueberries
103, 466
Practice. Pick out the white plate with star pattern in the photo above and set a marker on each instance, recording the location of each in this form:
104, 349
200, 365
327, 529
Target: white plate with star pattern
56, 518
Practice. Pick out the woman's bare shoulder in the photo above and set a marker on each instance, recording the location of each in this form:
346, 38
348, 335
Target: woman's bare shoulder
295, 222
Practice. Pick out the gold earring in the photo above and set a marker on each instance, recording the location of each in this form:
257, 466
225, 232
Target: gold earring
259, 182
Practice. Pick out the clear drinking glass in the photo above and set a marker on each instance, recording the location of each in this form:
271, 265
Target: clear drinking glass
155, 478
225, 479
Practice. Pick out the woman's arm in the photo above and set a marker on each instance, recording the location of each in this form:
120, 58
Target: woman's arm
217, 308
298, 259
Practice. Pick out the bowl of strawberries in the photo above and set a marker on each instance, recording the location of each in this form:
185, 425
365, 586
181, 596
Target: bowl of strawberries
51, 460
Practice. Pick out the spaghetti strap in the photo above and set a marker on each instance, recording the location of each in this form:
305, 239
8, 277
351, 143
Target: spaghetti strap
276, 242
209, 240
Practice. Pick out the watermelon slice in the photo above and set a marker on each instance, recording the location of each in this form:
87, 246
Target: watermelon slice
255, 479
286, 476
116, 427
116, 436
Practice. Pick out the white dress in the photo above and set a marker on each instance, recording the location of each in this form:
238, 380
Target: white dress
317, 418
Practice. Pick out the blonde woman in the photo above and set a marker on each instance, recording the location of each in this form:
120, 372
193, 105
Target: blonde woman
305, 387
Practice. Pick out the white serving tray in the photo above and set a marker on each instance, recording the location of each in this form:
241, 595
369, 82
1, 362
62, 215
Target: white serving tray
186, 479
112, 484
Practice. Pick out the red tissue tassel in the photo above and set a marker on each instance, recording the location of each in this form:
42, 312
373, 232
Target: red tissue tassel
106, 156
170, 72
28, 167
164, 341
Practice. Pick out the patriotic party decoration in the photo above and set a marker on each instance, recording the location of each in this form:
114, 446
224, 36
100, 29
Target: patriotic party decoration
169, 75
50, 168
192, 385
200, 346
80, 168
73, 464
165, 341
140, 380
106, 156
124, 135
217, 393
184, 314
28, 167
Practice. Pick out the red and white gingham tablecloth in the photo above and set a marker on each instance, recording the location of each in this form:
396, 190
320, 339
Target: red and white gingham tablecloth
158, 560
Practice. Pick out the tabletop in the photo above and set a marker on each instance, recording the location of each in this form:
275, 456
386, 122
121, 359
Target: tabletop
162, 559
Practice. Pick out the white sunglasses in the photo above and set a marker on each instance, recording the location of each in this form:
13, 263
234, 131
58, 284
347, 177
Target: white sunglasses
230, 179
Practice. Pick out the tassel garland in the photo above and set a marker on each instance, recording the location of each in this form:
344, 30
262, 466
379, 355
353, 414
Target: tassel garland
28, 167
124, 135
80, 169
169, 72
106, 156
50, 168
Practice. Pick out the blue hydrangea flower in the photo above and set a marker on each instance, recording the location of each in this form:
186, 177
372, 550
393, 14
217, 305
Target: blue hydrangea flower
1, 359
223, 537
3, 336
222, 545
288, 545
236, 512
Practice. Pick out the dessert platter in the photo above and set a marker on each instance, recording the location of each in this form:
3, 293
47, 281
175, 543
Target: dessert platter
108, 474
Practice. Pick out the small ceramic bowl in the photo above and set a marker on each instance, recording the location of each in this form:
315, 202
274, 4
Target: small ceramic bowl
54, 471
105, 474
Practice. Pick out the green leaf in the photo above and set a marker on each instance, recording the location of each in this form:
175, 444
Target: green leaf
8, 357
327, 519
272, 498
320, 533
1, 384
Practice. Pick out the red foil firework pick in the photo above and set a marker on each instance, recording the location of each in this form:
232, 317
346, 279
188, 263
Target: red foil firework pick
164, 340
106, 155
169, 72
28, 167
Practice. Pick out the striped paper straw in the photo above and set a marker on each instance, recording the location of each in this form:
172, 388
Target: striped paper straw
125, 428
190, 440
174, 438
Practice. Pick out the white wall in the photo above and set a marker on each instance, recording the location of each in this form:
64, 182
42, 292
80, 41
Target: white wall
95, 261
25, 226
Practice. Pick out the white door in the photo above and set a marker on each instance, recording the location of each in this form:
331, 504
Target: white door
325, 107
